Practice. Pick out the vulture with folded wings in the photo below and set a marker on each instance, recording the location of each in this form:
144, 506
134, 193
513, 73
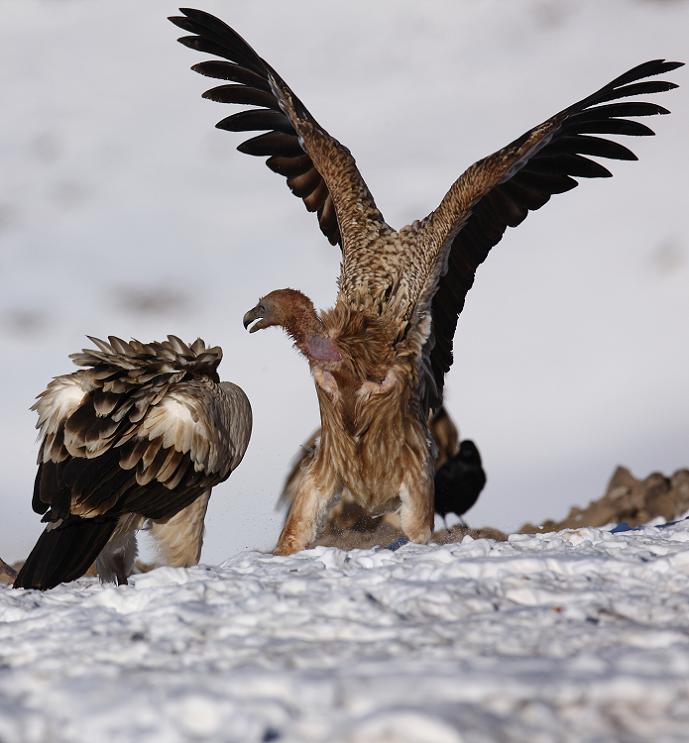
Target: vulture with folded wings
141, 434
379, 356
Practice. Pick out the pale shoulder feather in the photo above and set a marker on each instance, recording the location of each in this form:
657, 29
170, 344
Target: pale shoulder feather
210, 422
62, 396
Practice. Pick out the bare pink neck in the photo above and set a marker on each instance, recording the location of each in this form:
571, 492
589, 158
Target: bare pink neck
309, 335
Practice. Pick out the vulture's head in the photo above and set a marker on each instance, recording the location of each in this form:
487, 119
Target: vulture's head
284, 307
295, 312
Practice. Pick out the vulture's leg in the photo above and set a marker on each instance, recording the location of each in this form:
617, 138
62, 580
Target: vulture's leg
120, 568
416, 513
309, 508
180, 538
116, 561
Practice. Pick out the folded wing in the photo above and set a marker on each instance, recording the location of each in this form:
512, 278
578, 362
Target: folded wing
146, 429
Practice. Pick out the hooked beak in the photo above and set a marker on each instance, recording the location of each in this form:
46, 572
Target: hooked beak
257, 313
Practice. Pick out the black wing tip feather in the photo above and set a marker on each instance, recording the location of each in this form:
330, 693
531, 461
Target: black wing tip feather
635, 82
651, 68
201, 18
201, 15
213, 36
191, 12
657, 66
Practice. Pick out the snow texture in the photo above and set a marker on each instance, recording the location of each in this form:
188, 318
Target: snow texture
123, 211
571, 636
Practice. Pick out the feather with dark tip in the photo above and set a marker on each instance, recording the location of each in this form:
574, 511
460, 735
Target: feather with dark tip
244, 95
272, 143
245, 121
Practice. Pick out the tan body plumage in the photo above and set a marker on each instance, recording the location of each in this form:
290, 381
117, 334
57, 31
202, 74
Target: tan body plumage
374, 439
346, 512
179, 540
141, 435
379, 357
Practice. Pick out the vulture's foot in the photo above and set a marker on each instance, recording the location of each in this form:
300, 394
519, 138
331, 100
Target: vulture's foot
287, 546
120, 569
422, 535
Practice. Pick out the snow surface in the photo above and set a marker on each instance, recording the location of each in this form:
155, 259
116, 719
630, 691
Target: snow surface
116, 190
572, 636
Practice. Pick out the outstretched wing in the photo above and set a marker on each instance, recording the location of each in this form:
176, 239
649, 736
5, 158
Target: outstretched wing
319, 170
499, 191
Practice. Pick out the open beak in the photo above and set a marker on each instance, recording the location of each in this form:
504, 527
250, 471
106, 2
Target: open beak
256, 313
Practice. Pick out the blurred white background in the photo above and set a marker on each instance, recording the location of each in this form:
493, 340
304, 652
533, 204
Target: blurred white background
123, 211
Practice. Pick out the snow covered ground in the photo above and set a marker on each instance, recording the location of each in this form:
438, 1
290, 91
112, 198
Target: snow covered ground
123, 211
572, 636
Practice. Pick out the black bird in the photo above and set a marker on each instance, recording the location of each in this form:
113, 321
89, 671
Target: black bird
459, 482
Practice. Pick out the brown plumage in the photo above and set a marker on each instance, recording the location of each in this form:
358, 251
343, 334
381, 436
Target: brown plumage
346, 513
379, 356
143, 432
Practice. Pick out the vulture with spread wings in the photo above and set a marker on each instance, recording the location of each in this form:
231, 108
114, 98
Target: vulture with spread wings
378, 358
141, 434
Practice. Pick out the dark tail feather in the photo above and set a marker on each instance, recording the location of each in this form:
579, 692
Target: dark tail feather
64, 553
